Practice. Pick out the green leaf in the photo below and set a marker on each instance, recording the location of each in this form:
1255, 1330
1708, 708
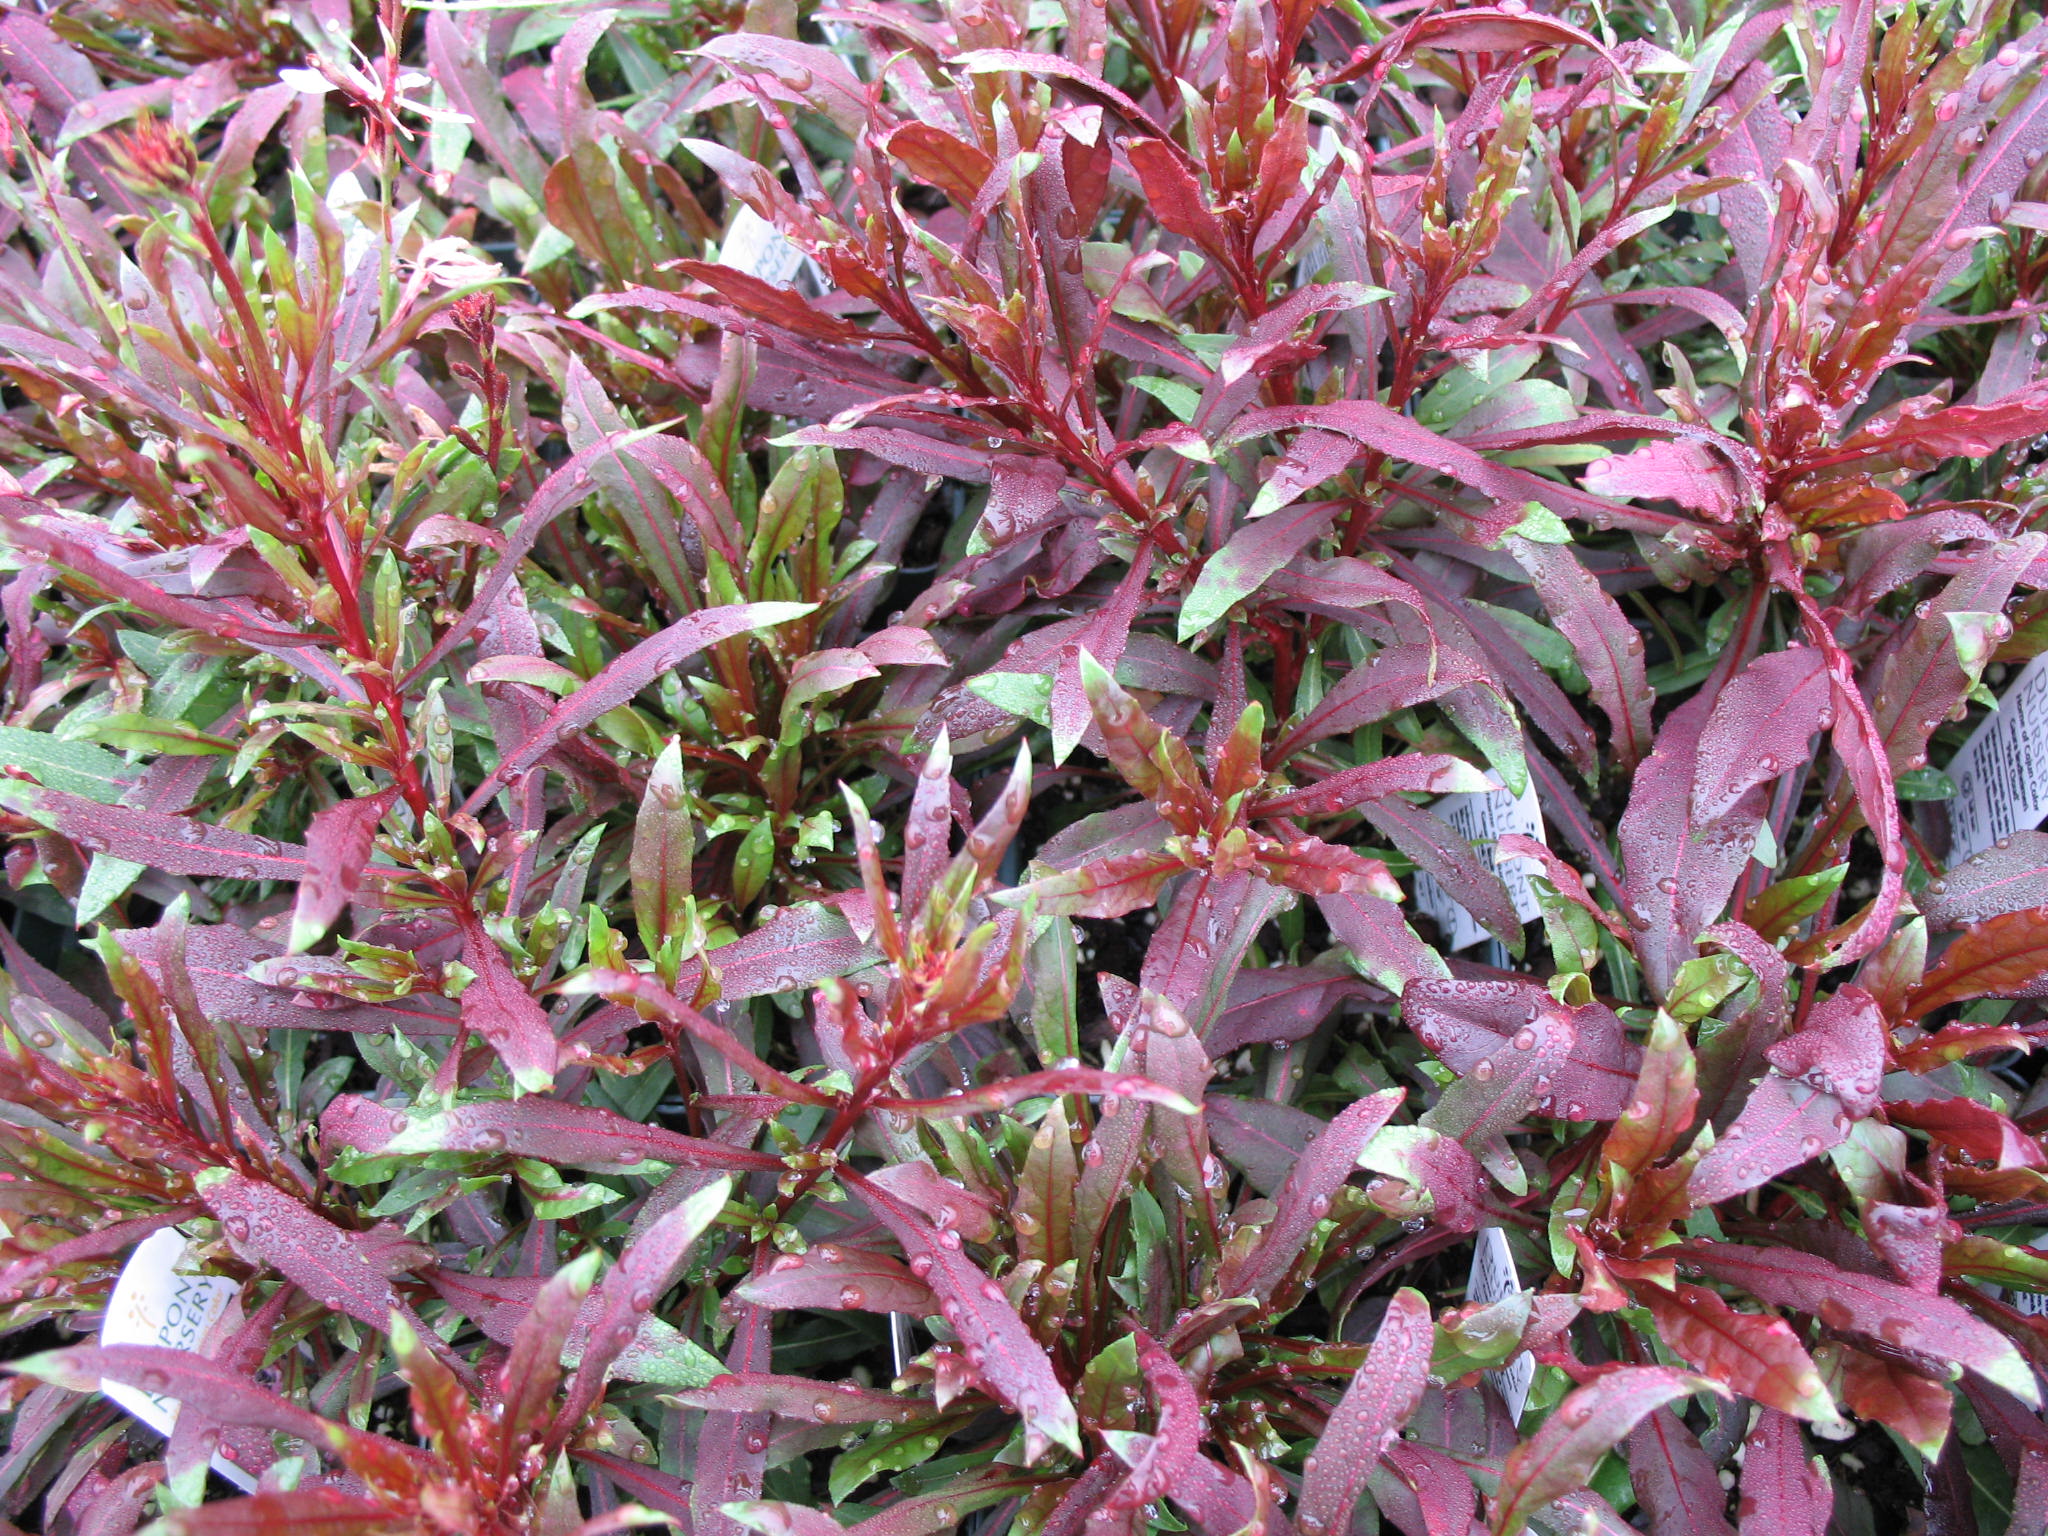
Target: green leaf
76, 767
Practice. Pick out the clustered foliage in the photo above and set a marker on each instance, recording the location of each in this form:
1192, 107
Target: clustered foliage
720, 721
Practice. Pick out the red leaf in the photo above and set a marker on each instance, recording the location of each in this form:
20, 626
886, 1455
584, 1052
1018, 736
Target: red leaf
1785, 1124
1785, 1492
802, 1397
1609, 650
177, 845
1467, 1022
1426, 773
1676, 1481
1375, 1406
1167, 1453
338, 846
1894, 1395
626, 674
1762, 726
833, 1275
1976, 1130
497, 1007
1305, 1198
1841, 1050
329, 1263
1680, 874
1175, 198
1394, 680
547, 1130
1932, 1327
1661, 1107
2003, 956
1009, 1359
1012, 1091
2008, 877
1561, 1455
1760, 1357
304, 1512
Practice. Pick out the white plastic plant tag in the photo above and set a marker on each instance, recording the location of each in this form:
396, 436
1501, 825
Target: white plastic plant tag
758, 248
1494, 1279
1483, 819
2001, 774
155, 1303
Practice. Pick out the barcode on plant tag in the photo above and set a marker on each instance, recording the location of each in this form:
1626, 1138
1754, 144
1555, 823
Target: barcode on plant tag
2001, 774
1494, 1279
156, 1302
758, 248
1483, 819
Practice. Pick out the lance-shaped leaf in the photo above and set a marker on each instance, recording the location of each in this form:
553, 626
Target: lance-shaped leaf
1841, 1050
1388, 681
835, 1275
1489, 1101
1609, 650
1434, 847
2003, 956
1762, 726
2010, 876
1372, 1412
304, 1511
1426, 773
1158, 1460
214, 1390
1379, 940
1679, 874
1257, 550
801, 1397
332, 1265
1785, 1490
649, 1265
500, 1307
1305, 1198
1110, 887
177, 845
1976, 1130
1561, 1455
1784, 1124
628, 673
1893, 1394
1013, 1091
1467, 1022
1661, 1107
497, 1007
1758, 1357
647, 992
664, 842
533, 1368
547, 1130
1932, 1327
1010, 1360
338, 844
1675, 1480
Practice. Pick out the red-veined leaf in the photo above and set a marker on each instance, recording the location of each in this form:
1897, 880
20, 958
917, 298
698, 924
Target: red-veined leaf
1561, 1455
1371, 1413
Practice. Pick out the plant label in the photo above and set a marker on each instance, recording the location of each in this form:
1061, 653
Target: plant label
2001, 773
1494, 1279
1483, 820
157, 1302
758, 248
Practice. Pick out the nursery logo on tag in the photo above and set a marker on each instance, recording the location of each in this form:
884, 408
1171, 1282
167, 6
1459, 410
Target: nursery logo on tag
2001, 773
1483, 819
153, 1303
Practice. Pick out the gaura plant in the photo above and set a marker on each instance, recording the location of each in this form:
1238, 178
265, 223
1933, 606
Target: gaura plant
721, 725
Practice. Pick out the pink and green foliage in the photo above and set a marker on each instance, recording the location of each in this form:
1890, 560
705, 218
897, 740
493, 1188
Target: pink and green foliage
723, 727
